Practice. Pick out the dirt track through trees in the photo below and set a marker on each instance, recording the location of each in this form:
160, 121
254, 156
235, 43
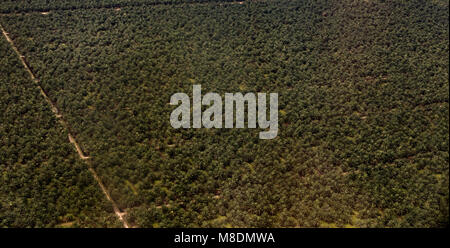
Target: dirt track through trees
72, 139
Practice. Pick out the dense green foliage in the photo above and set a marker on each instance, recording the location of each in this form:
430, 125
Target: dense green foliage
364, 112
42, 182
14, 6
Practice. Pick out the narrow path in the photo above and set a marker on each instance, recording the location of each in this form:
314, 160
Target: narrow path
80, 152
72, 140
119, 214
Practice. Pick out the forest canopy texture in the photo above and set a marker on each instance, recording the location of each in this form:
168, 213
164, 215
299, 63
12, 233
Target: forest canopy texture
363, 135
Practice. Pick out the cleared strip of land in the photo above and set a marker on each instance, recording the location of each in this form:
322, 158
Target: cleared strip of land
59, 116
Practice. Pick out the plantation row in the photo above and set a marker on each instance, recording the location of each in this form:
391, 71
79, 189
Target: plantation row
18, 6
363, 109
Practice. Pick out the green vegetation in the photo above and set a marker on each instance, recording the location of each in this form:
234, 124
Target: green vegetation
18, 6
43, 184
364, 112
